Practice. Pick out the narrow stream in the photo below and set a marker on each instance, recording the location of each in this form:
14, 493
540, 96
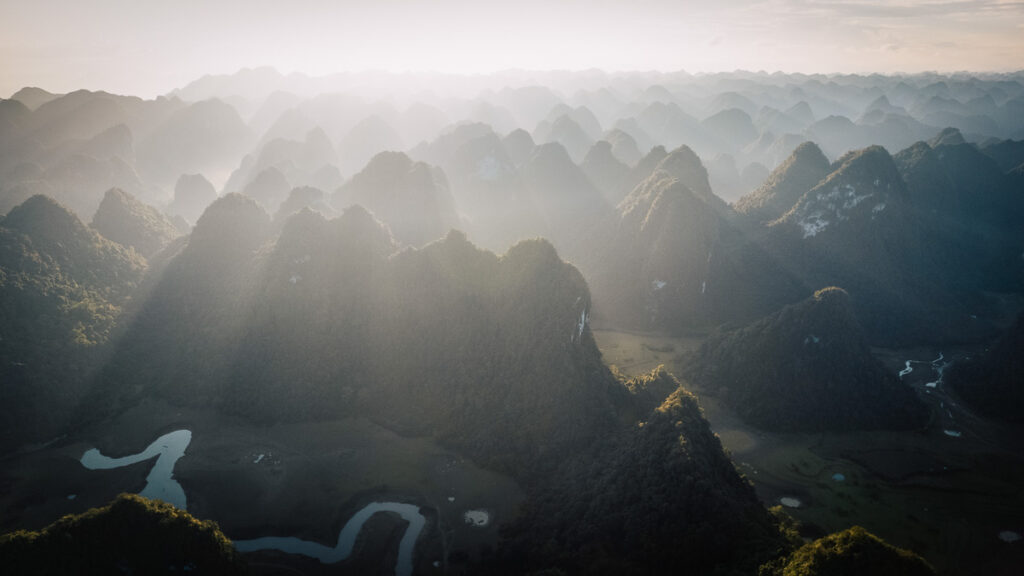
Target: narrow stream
347, 538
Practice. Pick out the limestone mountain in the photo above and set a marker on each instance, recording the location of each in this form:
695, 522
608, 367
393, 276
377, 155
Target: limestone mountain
567, 132
132, 534
624, 146
670, 126
683, 164
1009, 154
412, 198
125, 220
659, 257
269, 188
803, 170
62, 291
856, 229
208, 283
369, 137
991, 382
801, 111
81, 253
335, 291
79, 181
971, 212
192, 194
116, 141
300, 161
852, 551
947, 137
566, 203
518, 145
581, 116
488, 190
732, 126
807, 367
33, 97
606, 171
304, 197
773, 120
646, 166
205, 136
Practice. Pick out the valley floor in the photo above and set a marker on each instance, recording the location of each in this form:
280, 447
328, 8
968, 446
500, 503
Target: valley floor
302, 480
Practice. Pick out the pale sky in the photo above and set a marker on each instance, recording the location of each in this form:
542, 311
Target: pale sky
147, 47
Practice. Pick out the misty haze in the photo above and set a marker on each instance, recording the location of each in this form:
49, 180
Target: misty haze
525, 288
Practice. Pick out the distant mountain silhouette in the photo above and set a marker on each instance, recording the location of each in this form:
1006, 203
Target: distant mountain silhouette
991, 383
203, 136
567, 132
412, 198
125, 220
733, 126
33, 97
269, 188
518, 145
192, 194
304, 197
365, 140
606, 171
624, 147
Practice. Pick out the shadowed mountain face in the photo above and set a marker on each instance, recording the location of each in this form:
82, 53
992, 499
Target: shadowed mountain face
132, 534
803, 170
645, 528
856, 229
993, 383
204, 136
807, 367
606, 172
125, 220
412, 198
329, 299
662, 244
192, 194
62, 289
970, 211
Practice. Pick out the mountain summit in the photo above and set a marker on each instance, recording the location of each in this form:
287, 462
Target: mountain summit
807, 367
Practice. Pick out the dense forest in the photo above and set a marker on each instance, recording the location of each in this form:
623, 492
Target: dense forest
806, 367
132, 535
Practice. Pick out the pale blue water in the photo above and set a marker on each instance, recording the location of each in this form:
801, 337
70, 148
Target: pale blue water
160, 483
347, 538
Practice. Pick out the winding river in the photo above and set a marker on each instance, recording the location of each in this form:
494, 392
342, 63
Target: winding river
347, 538
160, 483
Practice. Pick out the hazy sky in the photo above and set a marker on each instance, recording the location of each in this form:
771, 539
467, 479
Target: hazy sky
147, 47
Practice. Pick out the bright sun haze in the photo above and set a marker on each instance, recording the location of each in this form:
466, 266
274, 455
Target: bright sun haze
149, 48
